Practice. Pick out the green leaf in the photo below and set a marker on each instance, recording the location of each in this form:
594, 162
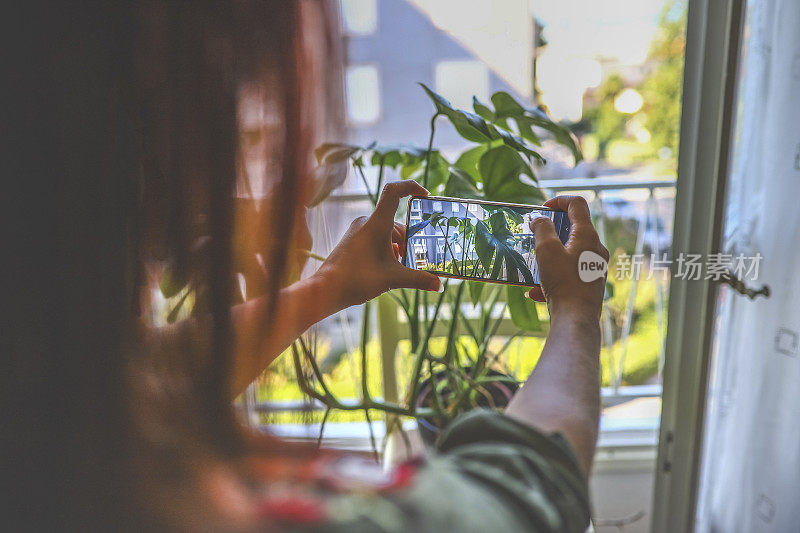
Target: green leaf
328, 153
501, 168
396, 154
461, 185
469, 125
475, 290
475, 128
505, 105
482, 109
518, 144
495, 248
609, 291
409, 167
468, 161
523, 310
561, 134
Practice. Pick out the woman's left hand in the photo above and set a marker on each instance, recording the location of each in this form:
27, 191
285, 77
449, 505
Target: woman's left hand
366, 261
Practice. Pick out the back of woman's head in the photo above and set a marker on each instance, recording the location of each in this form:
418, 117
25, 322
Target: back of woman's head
125, 153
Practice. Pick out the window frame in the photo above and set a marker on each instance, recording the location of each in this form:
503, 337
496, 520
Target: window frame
713, 35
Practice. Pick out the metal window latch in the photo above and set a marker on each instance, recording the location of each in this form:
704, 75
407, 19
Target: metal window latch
730, 279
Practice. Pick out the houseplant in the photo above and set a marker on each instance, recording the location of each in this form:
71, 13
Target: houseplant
499, 166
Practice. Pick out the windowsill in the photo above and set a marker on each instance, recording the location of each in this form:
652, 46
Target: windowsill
630, 426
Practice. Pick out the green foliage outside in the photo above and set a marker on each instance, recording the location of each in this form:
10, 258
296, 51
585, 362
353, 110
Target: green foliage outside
663, 89
609, 131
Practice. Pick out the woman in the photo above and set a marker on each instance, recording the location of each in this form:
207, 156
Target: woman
125, 153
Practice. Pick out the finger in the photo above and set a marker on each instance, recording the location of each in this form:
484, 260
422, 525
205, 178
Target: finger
576, 207
408, 278
399, 233
544, 233
390, 197
536, 294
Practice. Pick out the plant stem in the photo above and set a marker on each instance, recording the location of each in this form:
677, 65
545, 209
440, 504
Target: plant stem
380, 175
372, 197
464, 244
372, 436
322, 425
423, 352
428, 154
454, 322
448, 248
364, 340
414, 323
436, 398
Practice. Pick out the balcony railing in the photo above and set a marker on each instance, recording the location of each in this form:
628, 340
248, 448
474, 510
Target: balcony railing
649, 202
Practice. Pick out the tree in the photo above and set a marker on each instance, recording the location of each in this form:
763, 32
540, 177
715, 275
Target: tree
606, 122
662, 90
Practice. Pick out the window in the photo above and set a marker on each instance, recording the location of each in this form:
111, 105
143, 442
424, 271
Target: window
360, 17
455, 207
437, 206
362, 85
459, 80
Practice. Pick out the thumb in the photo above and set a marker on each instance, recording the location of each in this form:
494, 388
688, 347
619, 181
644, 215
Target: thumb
544, 232
408, 278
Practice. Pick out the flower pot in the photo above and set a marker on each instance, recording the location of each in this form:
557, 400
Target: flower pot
429, 428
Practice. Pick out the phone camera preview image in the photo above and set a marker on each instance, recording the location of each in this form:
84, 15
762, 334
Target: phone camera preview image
476, 240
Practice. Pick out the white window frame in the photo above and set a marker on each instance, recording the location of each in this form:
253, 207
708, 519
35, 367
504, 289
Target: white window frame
712, 50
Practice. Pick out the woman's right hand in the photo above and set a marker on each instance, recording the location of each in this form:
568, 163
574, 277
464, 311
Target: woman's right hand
366, 261
561, 285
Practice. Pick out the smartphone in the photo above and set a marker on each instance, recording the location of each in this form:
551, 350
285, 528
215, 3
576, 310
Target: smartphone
476, 239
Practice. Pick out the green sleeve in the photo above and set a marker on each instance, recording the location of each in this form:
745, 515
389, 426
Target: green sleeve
537, 476
490, 474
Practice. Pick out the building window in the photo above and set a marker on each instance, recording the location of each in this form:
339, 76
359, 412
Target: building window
437, 206
360, 17
362, 84
458, 80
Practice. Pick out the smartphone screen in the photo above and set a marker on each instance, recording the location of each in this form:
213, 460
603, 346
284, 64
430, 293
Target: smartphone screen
472, 239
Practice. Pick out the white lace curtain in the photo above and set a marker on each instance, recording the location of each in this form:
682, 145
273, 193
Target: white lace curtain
750, 476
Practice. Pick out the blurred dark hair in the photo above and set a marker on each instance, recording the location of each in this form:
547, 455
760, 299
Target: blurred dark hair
125, 150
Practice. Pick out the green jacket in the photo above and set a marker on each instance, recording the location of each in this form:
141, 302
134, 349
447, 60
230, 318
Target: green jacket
489, 474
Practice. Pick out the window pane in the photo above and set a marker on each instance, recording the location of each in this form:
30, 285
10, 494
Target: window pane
458, 81
363, 94
360, 17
